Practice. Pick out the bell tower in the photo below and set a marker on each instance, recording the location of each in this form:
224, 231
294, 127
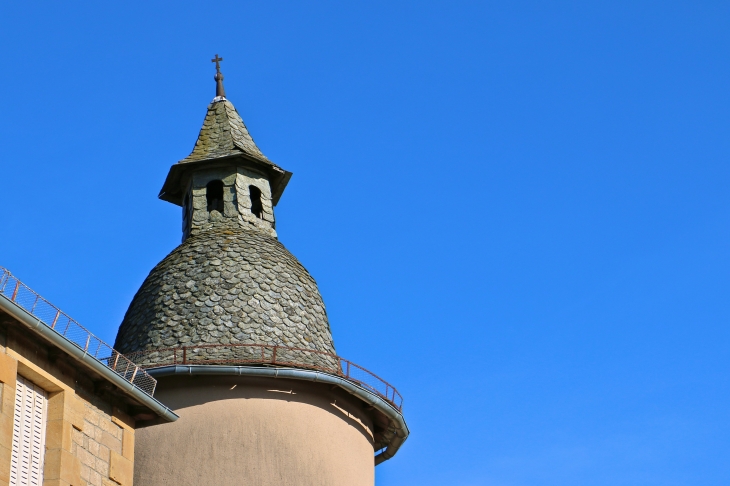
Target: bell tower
235, 330
226, 181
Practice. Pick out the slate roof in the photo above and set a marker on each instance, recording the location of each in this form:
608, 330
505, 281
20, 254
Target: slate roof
226, 286
224, 134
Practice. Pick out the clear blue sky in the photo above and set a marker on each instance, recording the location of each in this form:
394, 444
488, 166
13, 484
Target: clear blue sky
517, 212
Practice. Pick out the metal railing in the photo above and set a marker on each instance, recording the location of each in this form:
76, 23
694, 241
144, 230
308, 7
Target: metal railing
61, 323
215, 354
263, 354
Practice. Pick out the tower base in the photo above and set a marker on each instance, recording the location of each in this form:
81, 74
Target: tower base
237, 430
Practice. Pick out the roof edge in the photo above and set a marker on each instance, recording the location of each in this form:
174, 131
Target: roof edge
172, 190
395, 418
37, 327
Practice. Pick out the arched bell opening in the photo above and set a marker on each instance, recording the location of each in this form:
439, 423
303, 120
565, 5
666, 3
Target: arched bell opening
257, 208
214, 195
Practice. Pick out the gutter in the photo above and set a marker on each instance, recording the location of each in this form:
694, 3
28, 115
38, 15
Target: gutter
396, 422
78, 354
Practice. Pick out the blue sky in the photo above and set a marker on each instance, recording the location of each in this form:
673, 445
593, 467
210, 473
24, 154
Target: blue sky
517, 212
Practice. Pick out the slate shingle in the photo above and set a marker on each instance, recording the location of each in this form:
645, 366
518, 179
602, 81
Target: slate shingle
223, 134
228, 286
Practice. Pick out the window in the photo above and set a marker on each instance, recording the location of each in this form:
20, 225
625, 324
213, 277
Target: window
214, 193
257, 209
29, 434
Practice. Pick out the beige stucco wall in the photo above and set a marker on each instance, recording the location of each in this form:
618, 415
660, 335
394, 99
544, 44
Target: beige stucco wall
240, 430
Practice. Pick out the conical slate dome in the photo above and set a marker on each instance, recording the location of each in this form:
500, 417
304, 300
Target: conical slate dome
226, 287
230, 282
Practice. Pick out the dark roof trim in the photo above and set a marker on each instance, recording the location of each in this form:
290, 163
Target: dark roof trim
175, 182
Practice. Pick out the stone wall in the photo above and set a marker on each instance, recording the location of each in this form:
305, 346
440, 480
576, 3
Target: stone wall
89, 440
244, 179
99, 444
236, 202
8, 373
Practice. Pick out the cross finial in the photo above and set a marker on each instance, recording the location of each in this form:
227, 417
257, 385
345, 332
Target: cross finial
217, 60
220, 93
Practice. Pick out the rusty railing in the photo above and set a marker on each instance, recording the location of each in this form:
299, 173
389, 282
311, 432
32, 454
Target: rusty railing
50, 315
271, 355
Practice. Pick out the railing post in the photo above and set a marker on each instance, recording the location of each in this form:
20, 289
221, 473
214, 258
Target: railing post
348, 369
34, 303
185, 355
15, 292
273, 355
55, 319
134, 375
174, 356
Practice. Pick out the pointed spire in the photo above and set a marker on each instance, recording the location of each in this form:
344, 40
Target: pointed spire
223, 137
224, 134
220, 93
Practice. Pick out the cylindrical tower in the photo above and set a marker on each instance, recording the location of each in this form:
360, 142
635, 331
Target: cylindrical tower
236, 332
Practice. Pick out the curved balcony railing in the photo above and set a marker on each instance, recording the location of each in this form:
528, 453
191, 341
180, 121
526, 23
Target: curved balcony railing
132, 366
50, 315
263, 354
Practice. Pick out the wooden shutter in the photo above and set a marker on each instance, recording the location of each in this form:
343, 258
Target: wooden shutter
29, 434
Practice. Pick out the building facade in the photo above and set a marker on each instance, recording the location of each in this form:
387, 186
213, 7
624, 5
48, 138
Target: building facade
69, 404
